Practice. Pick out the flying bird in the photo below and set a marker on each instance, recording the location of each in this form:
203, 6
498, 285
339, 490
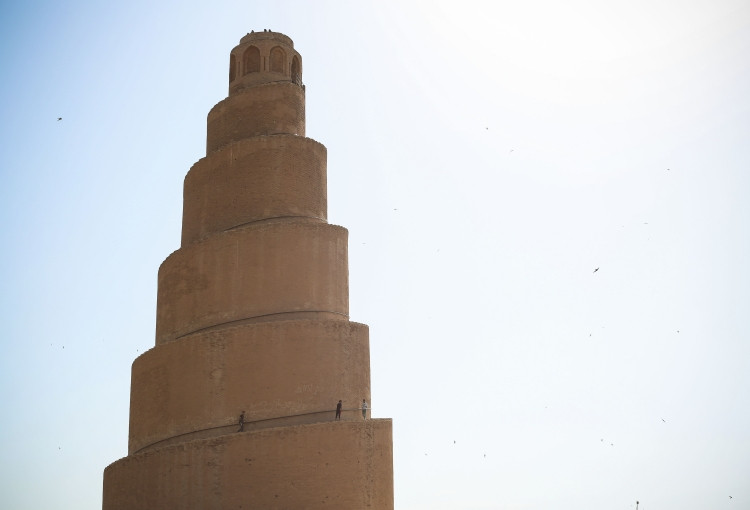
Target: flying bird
59, 118
597, 269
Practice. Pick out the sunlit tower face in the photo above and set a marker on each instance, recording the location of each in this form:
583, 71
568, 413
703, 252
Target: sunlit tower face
235, 406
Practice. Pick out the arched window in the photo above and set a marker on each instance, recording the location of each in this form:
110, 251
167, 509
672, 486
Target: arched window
251, 60
232, 67
296, 71
277, 59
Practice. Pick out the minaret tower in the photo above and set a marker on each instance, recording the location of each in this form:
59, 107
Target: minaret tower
253, 319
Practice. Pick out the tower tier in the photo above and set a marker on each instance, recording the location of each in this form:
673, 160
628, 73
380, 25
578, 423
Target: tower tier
278, 373
252, 180
266, 109
341, 465
265, 271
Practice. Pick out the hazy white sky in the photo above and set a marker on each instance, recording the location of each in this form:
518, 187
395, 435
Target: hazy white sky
486, 157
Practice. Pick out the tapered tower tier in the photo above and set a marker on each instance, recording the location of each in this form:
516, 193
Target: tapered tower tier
279, 373
265, 271
306, 467
266, 109
255, 179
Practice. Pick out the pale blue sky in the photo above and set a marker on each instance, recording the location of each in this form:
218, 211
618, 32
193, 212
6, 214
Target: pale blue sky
486, 157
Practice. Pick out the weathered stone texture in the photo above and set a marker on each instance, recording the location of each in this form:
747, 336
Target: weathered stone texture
255, 272
336, 465
254, 179
277, 372
269, 109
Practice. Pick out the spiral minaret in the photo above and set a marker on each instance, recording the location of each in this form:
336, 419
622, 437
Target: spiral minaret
253, 320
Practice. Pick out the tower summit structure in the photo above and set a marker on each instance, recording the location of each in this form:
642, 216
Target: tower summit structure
234, 407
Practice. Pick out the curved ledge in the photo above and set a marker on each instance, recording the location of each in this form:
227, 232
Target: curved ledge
266, 423
271, 317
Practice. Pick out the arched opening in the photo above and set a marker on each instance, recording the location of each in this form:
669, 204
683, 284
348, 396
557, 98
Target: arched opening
251, 60
232, 67
296, 70
277, 60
